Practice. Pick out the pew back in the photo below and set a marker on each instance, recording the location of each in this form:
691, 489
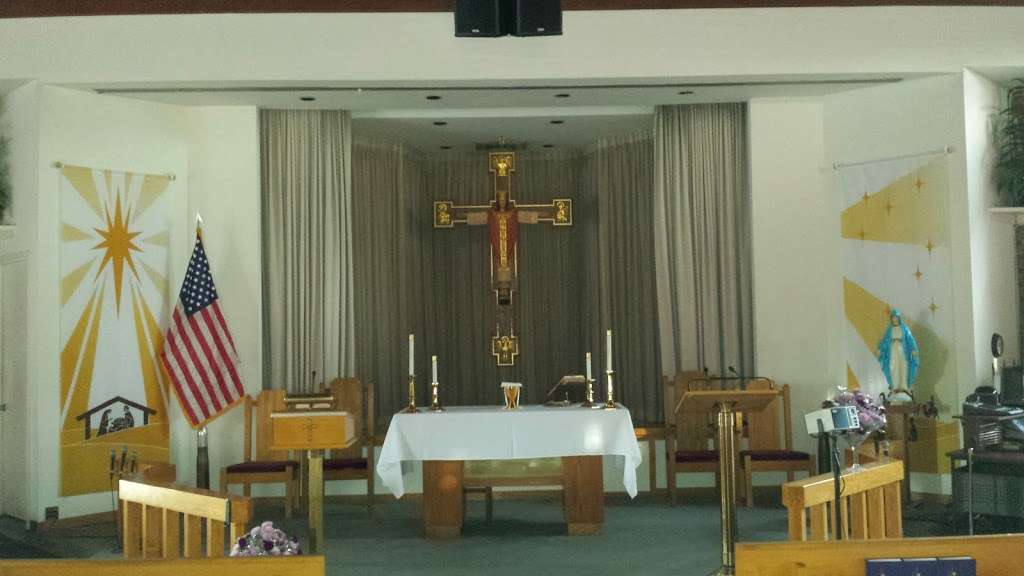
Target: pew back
279, 566
167, 521
871, 505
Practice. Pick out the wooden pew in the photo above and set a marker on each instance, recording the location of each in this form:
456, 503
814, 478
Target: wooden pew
153, 516
995, 555
871, 504
279, 566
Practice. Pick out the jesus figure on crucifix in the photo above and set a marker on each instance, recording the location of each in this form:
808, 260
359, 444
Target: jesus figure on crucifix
503, 217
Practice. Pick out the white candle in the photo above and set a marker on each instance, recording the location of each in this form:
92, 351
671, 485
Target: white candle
588, 367
433, 367
412, 356
608, 338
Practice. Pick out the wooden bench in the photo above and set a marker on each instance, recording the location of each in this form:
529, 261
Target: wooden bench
485, 475
280, 566
994, 555
871, 506
155, 516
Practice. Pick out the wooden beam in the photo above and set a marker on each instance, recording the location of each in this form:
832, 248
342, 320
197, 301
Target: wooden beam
847, 558
818, 489
50, 8
180, 499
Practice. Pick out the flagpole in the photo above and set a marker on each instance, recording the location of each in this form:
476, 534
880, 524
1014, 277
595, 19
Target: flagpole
202, 447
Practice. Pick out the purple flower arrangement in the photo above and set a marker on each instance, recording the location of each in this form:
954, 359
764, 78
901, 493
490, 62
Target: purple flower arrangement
870, 413
265, 540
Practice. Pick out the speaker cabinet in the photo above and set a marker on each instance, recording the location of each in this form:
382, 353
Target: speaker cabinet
483, 18
536, 17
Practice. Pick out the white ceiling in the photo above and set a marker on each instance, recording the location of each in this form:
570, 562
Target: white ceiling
479, 111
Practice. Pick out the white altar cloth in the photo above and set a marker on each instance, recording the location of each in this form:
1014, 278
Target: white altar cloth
493, 433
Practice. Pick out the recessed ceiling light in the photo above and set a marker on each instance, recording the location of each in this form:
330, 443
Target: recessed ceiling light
307, 98
558, 121
549, 146
433, 97
563, 95
440, 123
446, 147
685, 92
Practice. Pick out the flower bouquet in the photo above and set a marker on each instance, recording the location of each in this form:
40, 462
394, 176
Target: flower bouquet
871, 415
265, 540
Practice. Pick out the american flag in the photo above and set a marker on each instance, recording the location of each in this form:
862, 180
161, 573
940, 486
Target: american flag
198, 353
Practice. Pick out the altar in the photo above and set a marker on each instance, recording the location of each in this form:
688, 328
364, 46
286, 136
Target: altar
444, 440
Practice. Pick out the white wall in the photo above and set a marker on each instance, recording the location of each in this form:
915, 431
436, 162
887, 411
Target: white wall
797, 288
224, 187
993, 260
596, 45
104, 132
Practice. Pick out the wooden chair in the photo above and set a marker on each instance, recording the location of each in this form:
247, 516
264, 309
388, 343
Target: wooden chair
268, 466
350, 463
768, 449
687, 436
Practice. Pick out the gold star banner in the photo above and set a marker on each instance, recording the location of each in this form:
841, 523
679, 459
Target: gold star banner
114, 307
894, 217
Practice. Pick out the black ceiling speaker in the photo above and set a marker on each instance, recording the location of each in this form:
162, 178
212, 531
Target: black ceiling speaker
536, 17
484, 18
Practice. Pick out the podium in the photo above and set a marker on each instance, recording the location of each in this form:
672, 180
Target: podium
725, 404
313, 431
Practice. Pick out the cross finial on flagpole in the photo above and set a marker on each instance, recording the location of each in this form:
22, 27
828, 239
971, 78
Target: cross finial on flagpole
199, 225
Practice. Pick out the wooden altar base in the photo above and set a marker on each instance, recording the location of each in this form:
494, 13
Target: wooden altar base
583, 496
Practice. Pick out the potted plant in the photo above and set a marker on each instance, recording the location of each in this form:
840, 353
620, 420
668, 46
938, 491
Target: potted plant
1009, 166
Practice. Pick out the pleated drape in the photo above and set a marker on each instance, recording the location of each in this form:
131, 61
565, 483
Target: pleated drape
412, 278
702, 238
307, 247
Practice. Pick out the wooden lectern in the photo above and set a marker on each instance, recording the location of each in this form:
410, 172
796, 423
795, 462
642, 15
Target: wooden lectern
313, 431
725, 404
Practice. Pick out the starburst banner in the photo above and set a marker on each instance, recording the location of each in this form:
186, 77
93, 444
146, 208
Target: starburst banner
896, 254
114, 307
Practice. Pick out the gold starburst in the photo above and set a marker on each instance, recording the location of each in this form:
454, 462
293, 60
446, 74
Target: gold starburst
933, 307
118, 246
917, 275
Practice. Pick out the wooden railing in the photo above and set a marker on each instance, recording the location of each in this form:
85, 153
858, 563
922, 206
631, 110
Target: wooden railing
279, 566
994, 555
870, 504
167, 521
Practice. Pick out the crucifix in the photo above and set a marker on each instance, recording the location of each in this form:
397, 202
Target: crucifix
503, 215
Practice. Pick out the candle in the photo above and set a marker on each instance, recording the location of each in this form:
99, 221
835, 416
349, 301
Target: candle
433, 367
608, 338
588, 367
412, 356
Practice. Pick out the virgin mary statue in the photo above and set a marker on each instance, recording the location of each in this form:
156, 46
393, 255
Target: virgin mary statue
898, 353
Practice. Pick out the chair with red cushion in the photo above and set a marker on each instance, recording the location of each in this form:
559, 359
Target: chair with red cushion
268, 466
689, 438
357, 461
768, 448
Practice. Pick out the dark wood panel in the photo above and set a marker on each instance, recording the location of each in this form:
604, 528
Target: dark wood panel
37, 8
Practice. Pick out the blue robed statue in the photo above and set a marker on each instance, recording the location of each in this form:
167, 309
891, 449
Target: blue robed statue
898, 353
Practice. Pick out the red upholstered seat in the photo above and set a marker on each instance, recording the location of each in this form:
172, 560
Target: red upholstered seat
262, 466
776, 455
697, 456
345, 464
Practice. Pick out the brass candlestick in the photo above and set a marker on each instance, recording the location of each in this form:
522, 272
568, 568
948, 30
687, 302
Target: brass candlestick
435, 403
411, 408
609, 402
589, 402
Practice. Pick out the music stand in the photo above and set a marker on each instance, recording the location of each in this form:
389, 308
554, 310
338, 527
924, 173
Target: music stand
725, 404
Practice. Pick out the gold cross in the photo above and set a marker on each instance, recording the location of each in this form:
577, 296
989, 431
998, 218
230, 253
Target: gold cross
918, 274
919, 184
310, 426
866, 197
861, 234
888, 207
930, 246
933, 307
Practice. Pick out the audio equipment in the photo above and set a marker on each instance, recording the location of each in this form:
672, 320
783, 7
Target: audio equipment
481, 18
536, 17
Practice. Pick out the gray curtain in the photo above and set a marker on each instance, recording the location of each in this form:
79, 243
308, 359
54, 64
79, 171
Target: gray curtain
411, 278
307, 247
702, 238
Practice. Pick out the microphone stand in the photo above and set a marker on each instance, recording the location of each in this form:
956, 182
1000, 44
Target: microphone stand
837, 474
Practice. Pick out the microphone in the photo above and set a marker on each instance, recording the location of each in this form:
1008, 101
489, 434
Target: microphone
113, 461
135, 462
735, 373
124, 458
706, 372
